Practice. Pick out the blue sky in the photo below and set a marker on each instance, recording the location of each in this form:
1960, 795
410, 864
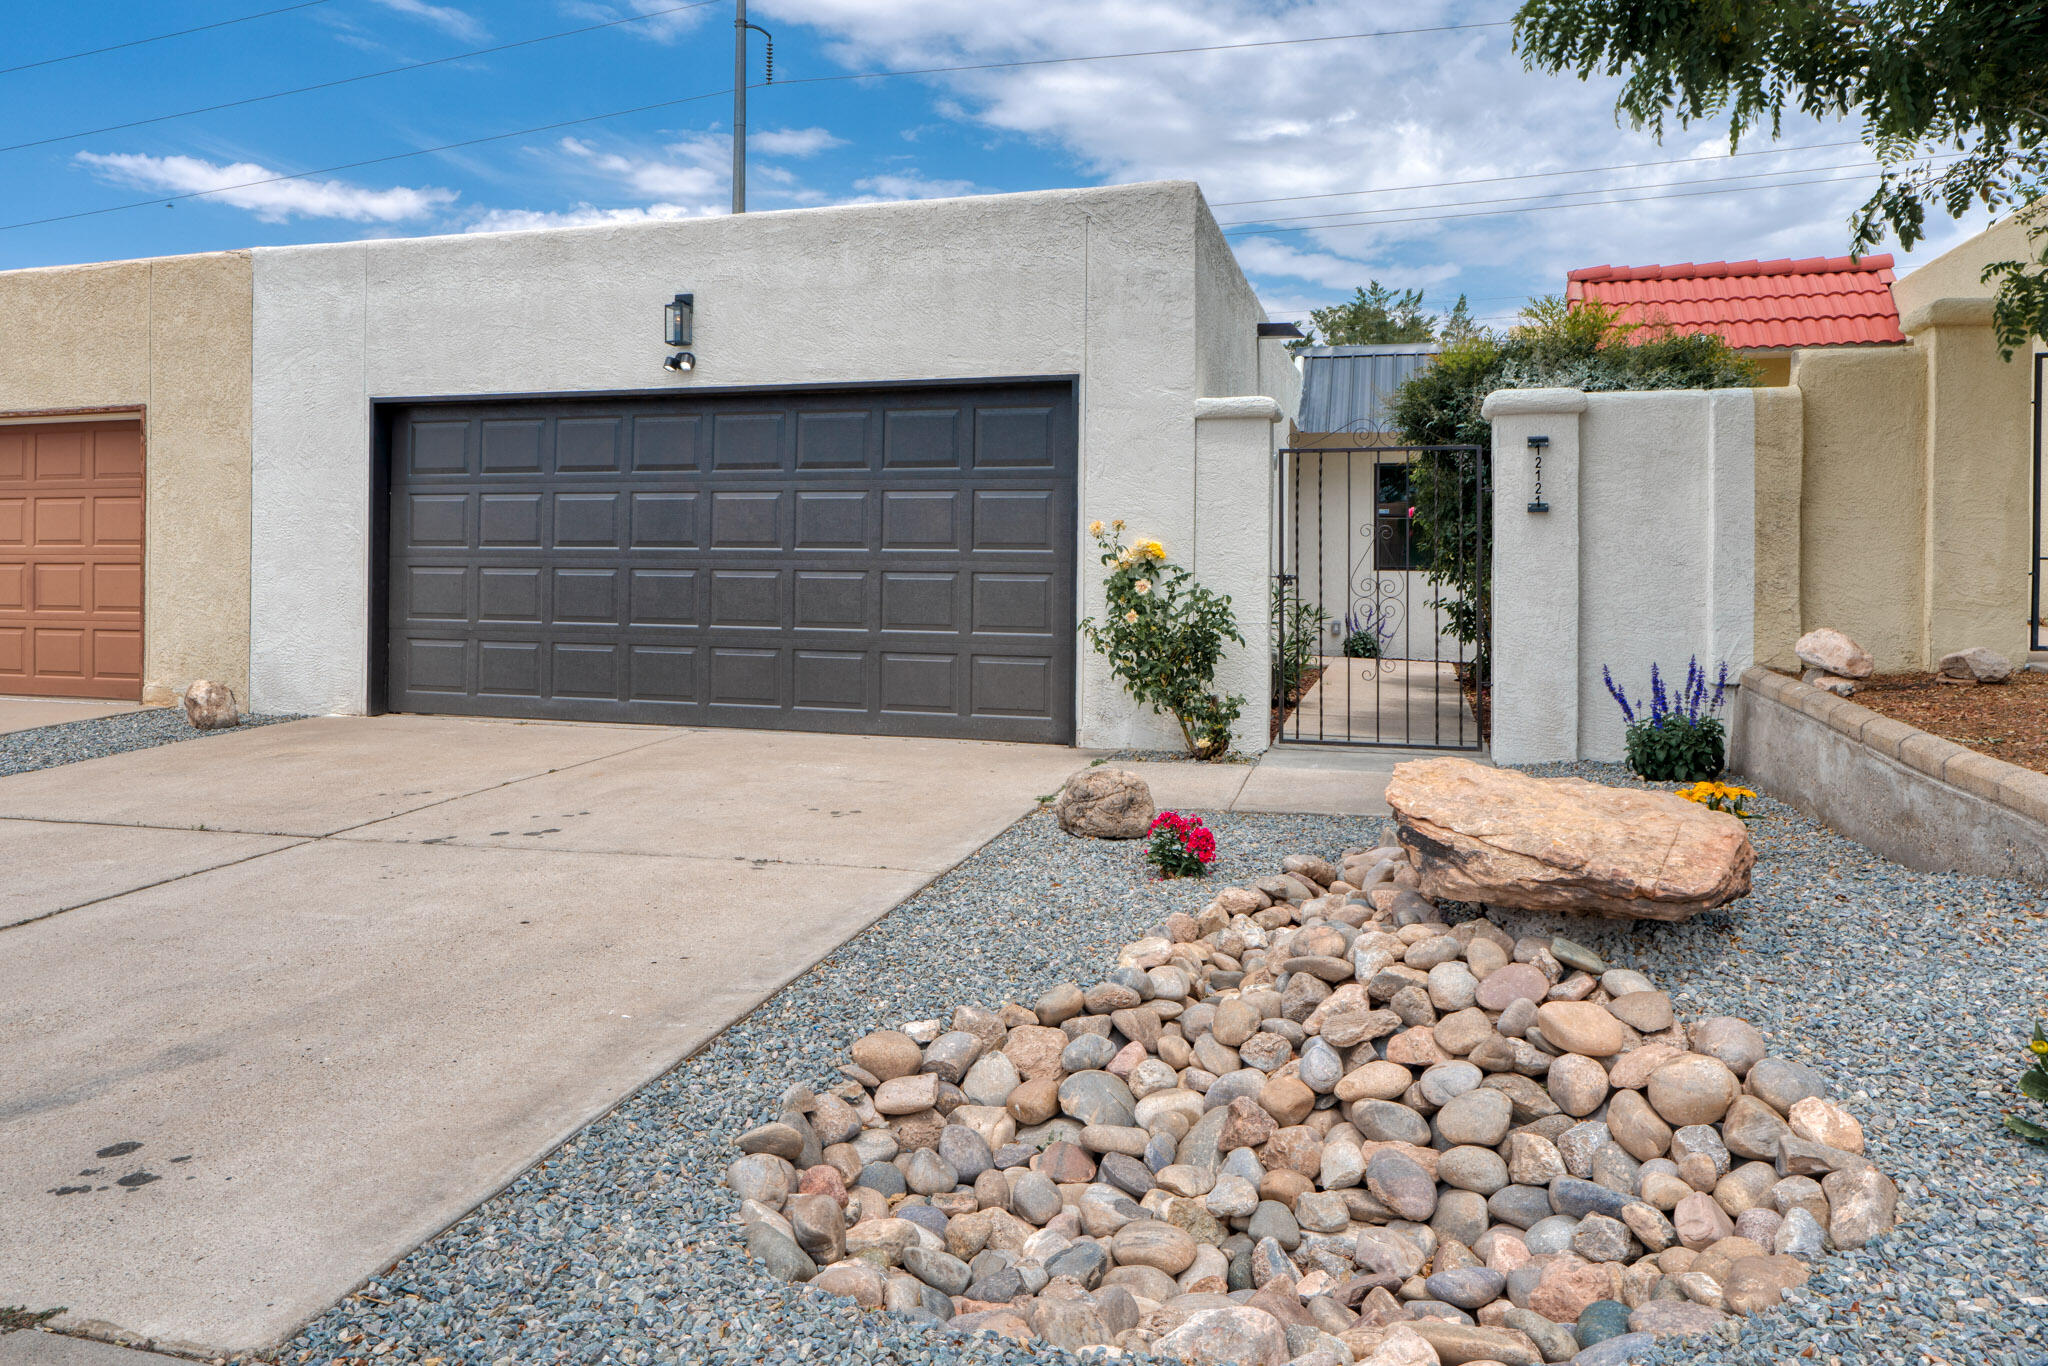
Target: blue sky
1465, 160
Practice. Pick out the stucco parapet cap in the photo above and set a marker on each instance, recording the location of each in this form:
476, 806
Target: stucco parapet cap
1245, 406
1532, 402
1947, 313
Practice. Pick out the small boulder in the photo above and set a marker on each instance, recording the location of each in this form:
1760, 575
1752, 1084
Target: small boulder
1975, 665
1832, 652
1105, 804
211, 706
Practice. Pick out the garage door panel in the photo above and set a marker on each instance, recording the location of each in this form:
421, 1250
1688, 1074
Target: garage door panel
666, 443
920, 519
746, 678
117, 454
921, 439
587, 521
746, 520
587, 445
513, 447
1014, 438
832, 519
1012, 685
832, 441
747, 441
116, 521
439, 448
1014, 519
664, 521
892, 561
664, 598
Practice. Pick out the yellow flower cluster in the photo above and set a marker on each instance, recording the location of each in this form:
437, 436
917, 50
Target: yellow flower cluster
1706, 792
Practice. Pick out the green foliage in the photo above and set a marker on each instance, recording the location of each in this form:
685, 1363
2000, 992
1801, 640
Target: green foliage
1163, 635
2033, 1085
1377, 315
1965, 78
1362, 645
1297, 639
1678, 749
1587, 347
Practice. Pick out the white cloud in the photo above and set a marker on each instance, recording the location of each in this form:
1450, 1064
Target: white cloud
791, 142
582, 216
256, 188
908, 185
1325, 117
447, 18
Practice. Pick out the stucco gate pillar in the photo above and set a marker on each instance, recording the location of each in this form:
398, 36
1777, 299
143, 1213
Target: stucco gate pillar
1233, 554
1535, 575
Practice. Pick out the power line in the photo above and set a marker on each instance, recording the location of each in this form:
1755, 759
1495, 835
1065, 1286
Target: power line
714, 94
1541, 208
1153, 52
1534, 175
1595, 189
143, 42
352, 80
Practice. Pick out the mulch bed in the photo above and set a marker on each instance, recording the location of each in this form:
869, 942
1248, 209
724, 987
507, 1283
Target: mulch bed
2006, 720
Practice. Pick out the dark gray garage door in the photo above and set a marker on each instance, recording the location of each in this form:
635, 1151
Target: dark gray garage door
895, 561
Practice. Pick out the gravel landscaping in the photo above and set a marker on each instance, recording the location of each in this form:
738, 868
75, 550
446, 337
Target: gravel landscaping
25, 751
1912, 991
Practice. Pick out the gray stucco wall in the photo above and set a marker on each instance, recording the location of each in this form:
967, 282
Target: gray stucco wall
1913, 797
1130, 288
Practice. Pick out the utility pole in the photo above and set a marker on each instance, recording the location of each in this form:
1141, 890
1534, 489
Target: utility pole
739, 99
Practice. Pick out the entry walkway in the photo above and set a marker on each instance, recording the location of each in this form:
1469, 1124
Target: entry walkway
1324, 779
1384, 701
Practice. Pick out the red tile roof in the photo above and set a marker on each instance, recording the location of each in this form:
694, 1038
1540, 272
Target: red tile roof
1822, 301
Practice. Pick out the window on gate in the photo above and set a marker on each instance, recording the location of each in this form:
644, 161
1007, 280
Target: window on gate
1393, 540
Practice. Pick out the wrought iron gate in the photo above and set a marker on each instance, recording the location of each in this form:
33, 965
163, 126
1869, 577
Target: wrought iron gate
1382, 596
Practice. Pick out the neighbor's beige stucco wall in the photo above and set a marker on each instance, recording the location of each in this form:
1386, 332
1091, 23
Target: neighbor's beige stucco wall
170, 340
1862, 499
1780, 470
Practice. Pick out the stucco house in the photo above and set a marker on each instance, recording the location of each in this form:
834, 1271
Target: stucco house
821, 469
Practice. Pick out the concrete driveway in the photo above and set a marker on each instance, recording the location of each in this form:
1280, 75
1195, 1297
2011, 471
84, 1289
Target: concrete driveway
282, 1005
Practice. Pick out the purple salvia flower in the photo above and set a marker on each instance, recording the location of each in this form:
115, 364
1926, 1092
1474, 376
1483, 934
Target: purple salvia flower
1628, 713
1720, 686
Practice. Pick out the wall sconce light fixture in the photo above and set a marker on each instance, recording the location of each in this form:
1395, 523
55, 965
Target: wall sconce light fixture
679, 320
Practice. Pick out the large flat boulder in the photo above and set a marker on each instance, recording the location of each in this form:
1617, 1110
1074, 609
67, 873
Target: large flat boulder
1563, 844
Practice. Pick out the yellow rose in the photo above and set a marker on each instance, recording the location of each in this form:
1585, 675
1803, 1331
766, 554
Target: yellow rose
1132, 615
1095, 527
1142, 587
1153, 550
1118, 524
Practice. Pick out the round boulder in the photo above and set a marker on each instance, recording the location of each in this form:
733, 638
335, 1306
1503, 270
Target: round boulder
1105, 804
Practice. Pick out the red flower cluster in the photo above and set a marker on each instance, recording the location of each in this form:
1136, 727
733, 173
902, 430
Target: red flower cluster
1181, 845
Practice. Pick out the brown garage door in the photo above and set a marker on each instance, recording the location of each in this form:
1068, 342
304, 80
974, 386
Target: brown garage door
889, 561
71, 559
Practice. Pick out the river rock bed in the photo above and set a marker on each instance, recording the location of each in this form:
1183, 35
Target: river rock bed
1313, 1122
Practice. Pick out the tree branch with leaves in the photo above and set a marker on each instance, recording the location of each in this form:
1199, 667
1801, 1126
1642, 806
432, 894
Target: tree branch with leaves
1952, 96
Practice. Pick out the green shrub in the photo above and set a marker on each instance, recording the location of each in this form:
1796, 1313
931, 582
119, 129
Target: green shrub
1163, 635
